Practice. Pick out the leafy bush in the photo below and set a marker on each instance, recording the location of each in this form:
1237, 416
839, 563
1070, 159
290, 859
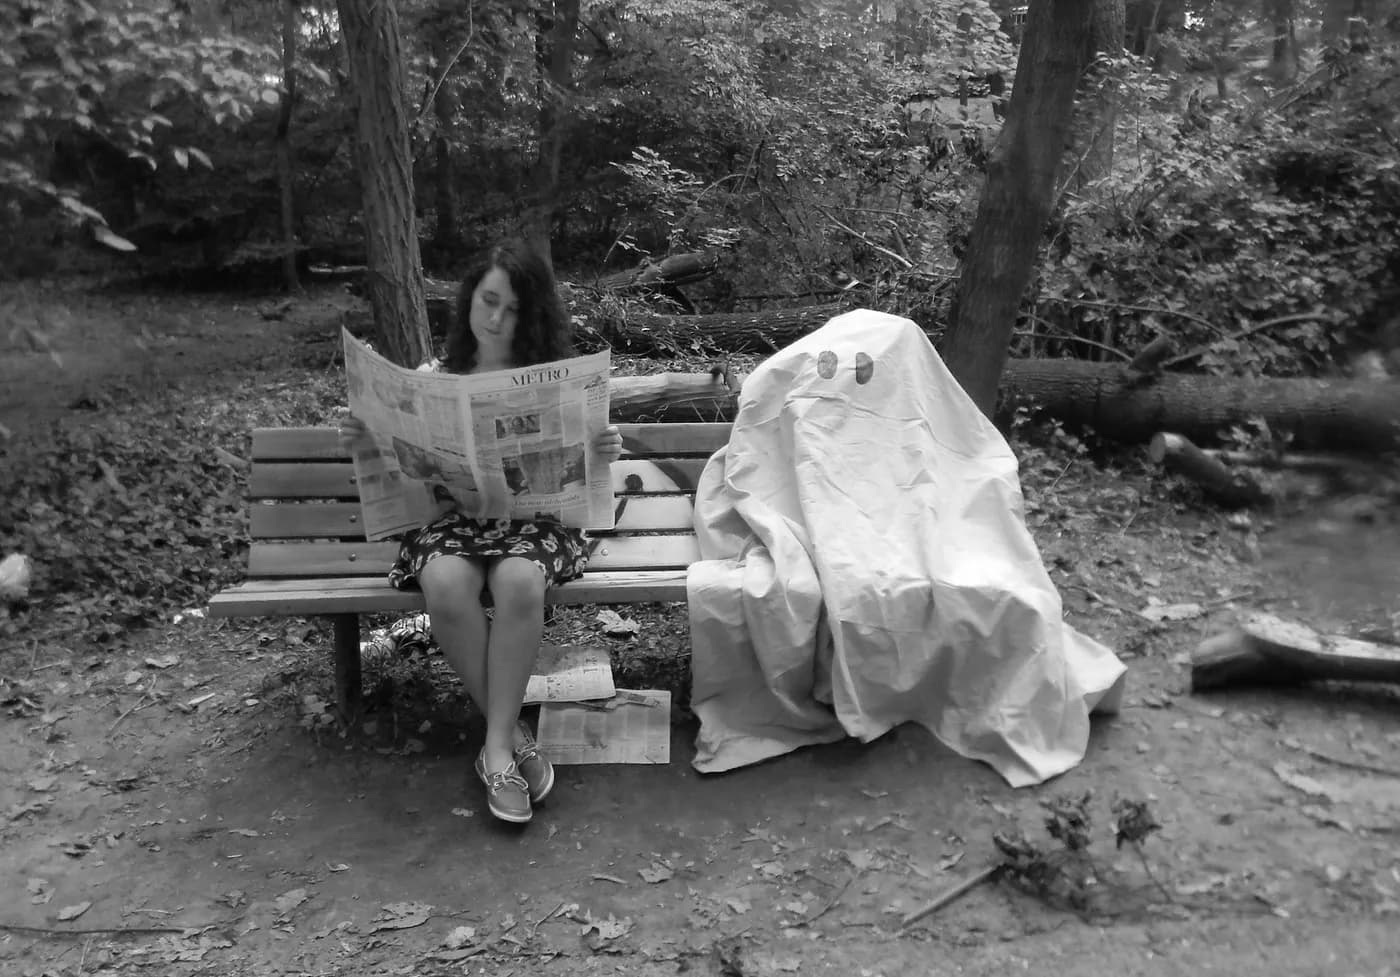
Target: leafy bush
1263, 230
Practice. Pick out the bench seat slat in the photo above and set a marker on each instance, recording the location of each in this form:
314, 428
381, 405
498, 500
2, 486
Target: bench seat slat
319, 443
329, 559
354, 595
336, 520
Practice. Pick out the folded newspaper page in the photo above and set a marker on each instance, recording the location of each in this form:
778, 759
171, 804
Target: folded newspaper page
634, 727
571, 673
506, 444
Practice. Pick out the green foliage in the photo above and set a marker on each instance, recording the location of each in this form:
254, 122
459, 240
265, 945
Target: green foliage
791, 130
1262, 230
114, 73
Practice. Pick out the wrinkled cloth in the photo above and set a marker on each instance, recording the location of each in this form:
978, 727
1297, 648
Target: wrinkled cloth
865, 563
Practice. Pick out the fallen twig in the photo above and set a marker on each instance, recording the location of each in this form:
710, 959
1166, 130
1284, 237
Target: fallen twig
831, 903
90, 931
962, 888
545, 918
141, 703
1350, 764
1099, 598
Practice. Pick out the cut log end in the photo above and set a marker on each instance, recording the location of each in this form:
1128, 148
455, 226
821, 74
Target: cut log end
1266, 650
1226, 486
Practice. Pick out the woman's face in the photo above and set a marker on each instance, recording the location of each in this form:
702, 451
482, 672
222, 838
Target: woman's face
493, 316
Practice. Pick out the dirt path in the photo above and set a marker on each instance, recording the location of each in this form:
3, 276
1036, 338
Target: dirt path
179, 787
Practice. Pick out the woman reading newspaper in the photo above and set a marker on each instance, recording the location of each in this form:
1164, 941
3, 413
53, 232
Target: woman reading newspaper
509, 315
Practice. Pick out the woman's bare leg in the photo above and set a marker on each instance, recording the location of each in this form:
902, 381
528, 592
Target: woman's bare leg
518, 589
452, 589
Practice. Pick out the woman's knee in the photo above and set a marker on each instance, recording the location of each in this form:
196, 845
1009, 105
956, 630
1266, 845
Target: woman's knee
517, 586
451, 585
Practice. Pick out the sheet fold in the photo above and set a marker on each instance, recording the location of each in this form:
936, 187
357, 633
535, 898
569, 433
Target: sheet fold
865, 562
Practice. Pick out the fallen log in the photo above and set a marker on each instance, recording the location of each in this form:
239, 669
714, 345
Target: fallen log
1267, 650
674, 397
736, 332
1223, 484
1052, 383
677, 269
1122, 404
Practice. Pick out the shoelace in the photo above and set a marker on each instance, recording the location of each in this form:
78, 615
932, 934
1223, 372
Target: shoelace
501, 779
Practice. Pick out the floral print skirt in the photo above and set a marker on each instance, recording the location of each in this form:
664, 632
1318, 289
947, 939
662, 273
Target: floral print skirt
560, 552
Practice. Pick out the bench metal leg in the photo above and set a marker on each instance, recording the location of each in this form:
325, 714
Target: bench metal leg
348, 685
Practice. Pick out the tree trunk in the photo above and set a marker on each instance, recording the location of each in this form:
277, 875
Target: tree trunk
1323, 415
1106, 38
673, 397
385, 163
447, 233
1022, 179
1217, 479
1283, 63
554, 50
1267, 650
1335, 16
1118, 403
285, 169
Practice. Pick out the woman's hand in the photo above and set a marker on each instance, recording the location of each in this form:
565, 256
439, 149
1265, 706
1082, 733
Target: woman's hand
608, 444
351, 433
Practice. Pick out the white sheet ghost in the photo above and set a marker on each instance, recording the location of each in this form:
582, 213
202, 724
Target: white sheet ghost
865, 562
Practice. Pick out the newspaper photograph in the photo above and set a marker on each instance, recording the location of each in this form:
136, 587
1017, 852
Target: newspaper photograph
634, 728
506, 444
570, 673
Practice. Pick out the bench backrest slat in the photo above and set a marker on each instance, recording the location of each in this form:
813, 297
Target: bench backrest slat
341, 520
325, 559
639, 440
336, 479
305, 519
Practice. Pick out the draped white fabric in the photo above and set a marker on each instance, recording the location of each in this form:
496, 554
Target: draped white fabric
865, 562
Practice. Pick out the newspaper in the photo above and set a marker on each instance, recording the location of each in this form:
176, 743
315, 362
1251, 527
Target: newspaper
505, 444
635, 727
570, 673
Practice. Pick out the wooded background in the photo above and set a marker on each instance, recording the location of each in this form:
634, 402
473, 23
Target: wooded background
1072, 179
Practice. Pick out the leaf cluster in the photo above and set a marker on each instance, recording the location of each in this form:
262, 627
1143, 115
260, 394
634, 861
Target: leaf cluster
140, 511
114, 73
1264, 229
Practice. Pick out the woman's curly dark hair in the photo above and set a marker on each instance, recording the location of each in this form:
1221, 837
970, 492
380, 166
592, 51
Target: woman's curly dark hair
541, 324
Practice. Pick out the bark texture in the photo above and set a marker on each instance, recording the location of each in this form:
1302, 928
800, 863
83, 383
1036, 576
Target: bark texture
285, 165
1329, 415
385, 164
557, 23
1022, 180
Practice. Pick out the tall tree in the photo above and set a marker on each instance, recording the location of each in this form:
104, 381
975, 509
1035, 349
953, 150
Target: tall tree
385, 164
285, 169
1283, 64
447, 231
558, 25
1106, 40
1022, 177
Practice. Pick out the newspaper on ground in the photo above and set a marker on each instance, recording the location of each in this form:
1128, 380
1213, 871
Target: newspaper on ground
571, 673
633, 727
504, 444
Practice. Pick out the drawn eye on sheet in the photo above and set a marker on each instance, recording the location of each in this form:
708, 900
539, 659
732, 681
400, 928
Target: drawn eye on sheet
828, 363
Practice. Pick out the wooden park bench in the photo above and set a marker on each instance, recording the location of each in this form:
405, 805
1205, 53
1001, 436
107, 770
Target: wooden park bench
309, 557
